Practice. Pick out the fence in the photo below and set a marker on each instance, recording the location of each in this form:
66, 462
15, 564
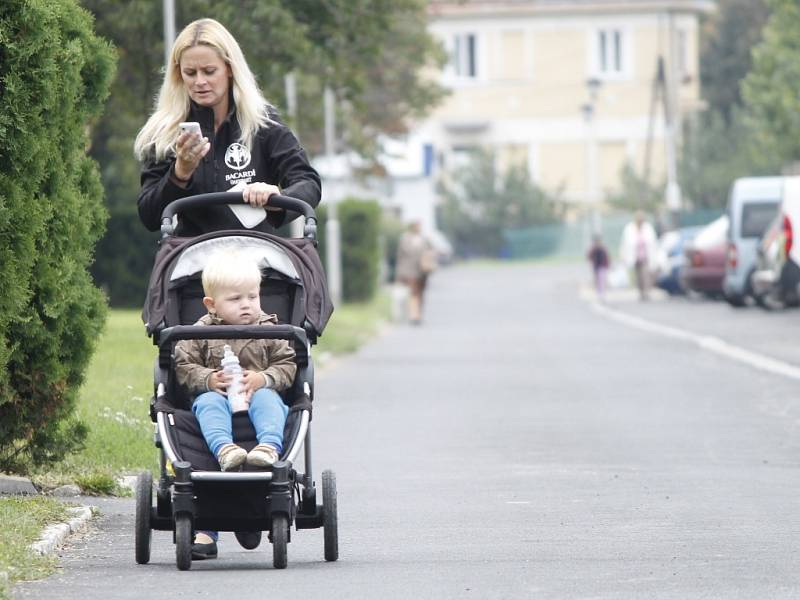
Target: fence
571, 240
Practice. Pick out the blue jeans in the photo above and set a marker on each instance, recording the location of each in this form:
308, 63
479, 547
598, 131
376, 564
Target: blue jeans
267, 412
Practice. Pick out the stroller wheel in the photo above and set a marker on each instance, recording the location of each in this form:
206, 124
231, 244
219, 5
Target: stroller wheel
330, 519
144, 501
183, 542
279, 537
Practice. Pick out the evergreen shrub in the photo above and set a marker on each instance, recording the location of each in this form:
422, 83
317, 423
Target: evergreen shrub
360, 230
54, 77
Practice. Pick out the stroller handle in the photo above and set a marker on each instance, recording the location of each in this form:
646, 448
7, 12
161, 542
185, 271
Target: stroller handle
221, 198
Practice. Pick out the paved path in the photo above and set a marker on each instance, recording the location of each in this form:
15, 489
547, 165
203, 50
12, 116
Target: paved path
518, 445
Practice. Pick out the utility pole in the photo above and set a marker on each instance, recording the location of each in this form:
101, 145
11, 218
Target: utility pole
672, 131
332, 230
169, 28
660, 92
290, 85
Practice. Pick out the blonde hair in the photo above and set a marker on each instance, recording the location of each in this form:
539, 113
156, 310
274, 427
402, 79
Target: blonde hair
158, 135
227, 269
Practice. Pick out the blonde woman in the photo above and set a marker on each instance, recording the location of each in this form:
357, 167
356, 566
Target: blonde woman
242, 144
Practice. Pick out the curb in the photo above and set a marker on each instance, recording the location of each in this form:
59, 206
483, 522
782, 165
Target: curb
11, 485
54, 535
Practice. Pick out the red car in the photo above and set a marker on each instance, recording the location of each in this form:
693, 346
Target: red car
704, 269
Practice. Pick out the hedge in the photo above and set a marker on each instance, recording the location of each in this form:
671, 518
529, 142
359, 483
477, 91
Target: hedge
54, 77
360, 227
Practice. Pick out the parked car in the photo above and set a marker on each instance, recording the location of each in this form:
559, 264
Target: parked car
753, 202
671, 258
705, 259
777, 278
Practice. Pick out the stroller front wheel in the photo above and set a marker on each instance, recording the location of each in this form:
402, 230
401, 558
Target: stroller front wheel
280, 538
183, 541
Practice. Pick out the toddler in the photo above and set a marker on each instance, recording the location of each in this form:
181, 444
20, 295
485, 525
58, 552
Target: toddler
231, 284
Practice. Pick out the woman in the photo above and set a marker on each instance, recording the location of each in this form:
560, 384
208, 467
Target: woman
416, 259
243, 145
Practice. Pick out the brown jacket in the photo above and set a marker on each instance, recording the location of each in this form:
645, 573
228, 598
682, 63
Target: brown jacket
195, 360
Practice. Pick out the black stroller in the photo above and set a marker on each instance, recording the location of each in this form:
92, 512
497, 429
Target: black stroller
192, 493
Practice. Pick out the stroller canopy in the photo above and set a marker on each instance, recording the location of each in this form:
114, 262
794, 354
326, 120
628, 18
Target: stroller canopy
294, 258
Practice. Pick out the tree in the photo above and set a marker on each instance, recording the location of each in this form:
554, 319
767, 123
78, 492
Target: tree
482, 202
718, 153
54, 77
371, 52
727, 42
719, 143
770, 89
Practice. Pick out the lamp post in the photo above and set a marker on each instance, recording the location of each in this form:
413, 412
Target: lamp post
169, 28
588, 109
333, 249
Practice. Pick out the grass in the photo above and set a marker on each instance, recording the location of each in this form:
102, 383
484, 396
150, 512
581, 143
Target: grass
114, 401
23, 519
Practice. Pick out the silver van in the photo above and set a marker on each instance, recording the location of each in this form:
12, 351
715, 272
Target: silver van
752, 205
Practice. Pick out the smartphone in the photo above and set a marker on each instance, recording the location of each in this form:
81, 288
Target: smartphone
191, 127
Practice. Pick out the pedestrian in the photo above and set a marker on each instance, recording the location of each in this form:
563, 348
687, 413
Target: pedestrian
416, 260
638, 250
231, 284
242, 144
598, 257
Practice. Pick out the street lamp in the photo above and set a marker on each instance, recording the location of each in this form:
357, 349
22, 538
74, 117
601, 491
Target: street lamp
588, 109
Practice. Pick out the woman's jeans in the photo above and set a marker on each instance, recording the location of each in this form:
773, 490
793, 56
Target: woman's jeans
267, 412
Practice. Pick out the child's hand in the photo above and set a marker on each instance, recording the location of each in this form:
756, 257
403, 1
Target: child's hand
218, 382
251, 381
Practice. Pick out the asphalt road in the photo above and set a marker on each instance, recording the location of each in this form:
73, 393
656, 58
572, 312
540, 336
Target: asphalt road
521, 445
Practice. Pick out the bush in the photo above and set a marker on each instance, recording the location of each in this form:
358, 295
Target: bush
360, 229
483, 202
54, 77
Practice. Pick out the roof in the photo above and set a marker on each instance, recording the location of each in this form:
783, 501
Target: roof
545, 7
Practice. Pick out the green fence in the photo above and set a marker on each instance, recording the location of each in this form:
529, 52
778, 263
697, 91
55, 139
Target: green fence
571, 240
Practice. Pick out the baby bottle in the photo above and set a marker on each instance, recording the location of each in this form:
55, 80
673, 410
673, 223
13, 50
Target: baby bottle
231, 366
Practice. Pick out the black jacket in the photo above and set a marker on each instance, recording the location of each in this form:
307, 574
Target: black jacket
275, 158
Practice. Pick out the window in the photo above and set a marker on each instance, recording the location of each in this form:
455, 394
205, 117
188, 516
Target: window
610, 52
756, 216
465, 59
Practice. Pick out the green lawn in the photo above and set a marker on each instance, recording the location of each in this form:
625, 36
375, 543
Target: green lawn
114, 401
23, 519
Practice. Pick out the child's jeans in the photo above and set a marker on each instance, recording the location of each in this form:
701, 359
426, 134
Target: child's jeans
267, 412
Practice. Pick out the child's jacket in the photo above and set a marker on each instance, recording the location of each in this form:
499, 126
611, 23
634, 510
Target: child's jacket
196, 360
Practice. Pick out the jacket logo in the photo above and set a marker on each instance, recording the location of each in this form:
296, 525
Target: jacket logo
237, 156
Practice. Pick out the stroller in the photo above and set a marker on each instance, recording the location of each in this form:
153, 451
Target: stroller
192, 493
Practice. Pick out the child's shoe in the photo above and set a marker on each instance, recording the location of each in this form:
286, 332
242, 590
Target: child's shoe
262, 455
231, 457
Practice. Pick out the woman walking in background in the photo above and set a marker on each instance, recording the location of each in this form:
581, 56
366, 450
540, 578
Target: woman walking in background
416, 259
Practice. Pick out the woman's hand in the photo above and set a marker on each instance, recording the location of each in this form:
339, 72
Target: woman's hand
189, 151
258, 193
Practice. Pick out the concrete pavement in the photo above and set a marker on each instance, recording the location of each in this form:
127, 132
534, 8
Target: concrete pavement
515, 446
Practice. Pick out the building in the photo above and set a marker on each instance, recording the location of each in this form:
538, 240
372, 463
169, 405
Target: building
568, 88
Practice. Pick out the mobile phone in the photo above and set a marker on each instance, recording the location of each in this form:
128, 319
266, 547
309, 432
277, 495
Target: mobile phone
191, 127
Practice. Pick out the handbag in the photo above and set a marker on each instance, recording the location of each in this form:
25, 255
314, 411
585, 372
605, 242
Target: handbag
428, 261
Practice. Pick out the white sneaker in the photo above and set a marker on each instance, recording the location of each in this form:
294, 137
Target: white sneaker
231, 457
262, 455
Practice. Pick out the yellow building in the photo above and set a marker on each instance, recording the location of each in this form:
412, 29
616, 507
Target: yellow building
566, 87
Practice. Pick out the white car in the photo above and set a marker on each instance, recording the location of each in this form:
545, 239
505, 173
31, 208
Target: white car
777, 278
